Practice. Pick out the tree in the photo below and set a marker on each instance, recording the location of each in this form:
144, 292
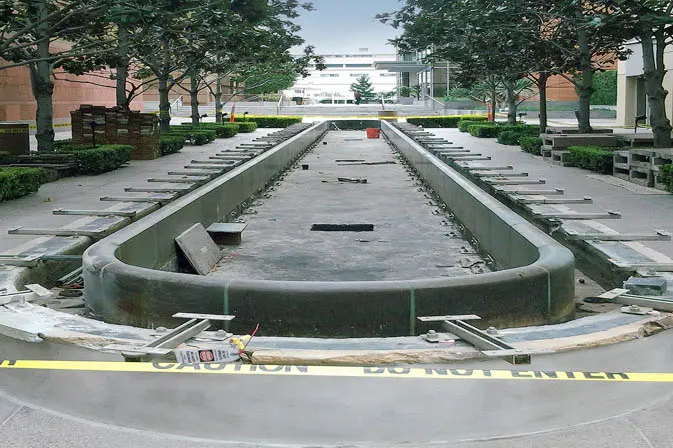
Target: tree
649, 22
605, 88
363, 86
33, 34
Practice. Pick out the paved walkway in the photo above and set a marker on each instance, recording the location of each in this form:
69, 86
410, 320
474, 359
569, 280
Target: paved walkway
84, 192
643, 209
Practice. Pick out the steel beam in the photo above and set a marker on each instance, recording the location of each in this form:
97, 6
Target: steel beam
157, 189
61, 211
465, 159
56, 232
556, 191
177, 180
161, 200
206, 166
515, 181
487, 168
659, 236
213, 162
586, 200
501, 174
578, 216
622, 297
213, 173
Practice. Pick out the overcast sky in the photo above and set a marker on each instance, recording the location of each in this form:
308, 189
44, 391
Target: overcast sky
340, 26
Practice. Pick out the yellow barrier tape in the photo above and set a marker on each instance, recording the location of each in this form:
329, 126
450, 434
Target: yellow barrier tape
334, 371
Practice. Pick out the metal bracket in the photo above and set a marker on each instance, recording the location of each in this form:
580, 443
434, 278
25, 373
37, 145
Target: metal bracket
622, 297
555, 191
171, 340
488, 168
585, 200
515, 181
484, 342
660, 235
56, 232
577, 216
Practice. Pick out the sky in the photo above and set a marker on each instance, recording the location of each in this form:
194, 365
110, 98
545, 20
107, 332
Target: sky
340, 26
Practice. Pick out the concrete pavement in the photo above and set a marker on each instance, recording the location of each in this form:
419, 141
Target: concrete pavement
84, 192
330, 411
643, 209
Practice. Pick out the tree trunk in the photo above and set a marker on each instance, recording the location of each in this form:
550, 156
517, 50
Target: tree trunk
511, 100
164, 104
194, 98
542, 93
218, 99
654, 70
585, 85
122, 65
494, 104
43, 88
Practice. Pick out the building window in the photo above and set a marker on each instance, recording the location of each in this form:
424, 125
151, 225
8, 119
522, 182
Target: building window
329, 75
388, 74
357, 75
334, 65
358, 65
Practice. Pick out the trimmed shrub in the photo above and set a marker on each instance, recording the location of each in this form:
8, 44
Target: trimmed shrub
195, 136
483, 130
523, 129
99, 159
531, 145
16, 182
6, 158
464, 124
222, 130
448, 121
246, 127
592, 158
509, 137
665, 176
60, 144
271, 121
169, 144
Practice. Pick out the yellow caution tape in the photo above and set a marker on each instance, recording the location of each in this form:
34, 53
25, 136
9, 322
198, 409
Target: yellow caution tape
334, 371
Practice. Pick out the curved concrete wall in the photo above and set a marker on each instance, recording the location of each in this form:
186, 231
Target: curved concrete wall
124, 283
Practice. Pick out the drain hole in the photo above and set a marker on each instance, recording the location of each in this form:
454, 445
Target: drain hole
342, 227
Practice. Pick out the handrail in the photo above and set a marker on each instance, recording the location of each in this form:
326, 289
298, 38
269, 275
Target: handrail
177, 103
279, 106
435, 100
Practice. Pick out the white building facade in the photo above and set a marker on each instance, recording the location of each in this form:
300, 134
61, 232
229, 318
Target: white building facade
333, 85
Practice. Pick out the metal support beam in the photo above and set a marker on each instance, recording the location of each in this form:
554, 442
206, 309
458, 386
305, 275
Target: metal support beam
177, 180
484, 342
577, 216
206, 166
157, 189
654, 266
123, 214
622, 297
195, 173
658, 236
159, 199
515, 181
586, 200
56, 232
213, 162
465, 159
487, 168
33, 260
501, 174
556, 191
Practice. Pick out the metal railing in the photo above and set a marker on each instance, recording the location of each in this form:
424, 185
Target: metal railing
434, 102
279, 106
176, 103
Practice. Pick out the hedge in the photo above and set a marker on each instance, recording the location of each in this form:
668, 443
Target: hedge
194, 137
169, 144
532, 145
221, 130
509, 137
592, 158
464, 124
523, 129
482, 130
17, 182
99, 159
6, 158
665, 176
246, 127
271, 121
448, 121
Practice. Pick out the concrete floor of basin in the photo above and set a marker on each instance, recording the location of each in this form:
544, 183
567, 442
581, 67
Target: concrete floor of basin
413, 236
